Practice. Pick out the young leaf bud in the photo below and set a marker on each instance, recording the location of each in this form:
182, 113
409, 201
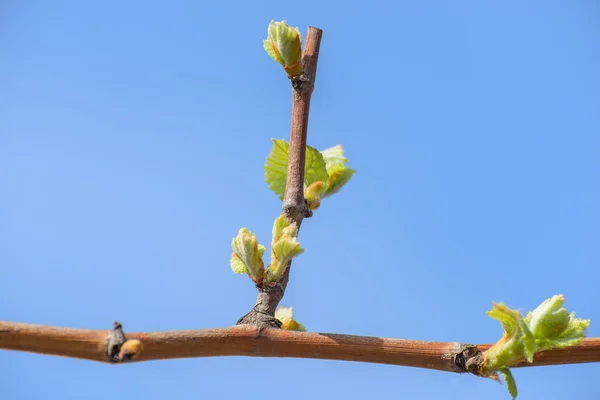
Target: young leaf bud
284, 45
130, 350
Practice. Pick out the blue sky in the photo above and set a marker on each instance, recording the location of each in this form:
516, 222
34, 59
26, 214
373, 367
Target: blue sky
132, 140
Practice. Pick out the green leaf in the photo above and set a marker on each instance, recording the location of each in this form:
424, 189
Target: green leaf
287, 248
508, 318
284, 45
278, 226
277, 165
282, 253
334, 156
237, 265
549, 318
338, 173
284, 247
553, 326
574, 333
314, 168
517, 343
246, 257
510, 381
546, 327
270, 49
261, 250
528, 340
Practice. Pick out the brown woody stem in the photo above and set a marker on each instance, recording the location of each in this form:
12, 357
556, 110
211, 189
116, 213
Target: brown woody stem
294, 205
254, 342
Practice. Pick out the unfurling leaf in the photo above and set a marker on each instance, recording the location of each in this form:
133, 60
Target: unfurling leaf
237, 265
334, 155
286, 317
284, 45
553, 326
247, 255
548, 326
284, 247
278, 226
338, 173
517, 337
277, 165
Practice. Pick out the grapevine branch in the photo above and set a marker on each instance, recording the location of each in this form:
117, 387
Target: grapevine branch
247, 340
257, 334
294, 205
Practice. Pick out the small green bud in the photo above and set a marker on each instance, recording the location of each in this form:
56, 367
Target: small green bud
247, 255
553, 326
549, 319
312, 194
286, 317
338, 172
278, 226
284, 247
334, 155
548, 326
284, 45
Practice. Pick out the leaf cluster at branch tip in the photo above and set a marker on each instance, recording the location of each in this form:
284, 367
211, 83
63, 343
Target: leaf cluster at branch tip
284, 45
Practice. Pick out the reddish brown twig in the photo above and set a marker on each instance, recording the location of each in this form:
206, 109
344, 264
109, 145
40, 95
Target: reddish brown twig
294, 206
248, 340
293, 202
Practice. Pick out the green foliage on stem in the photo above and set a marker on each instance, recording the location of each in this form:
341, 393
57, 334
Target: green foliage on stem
337, 171
548, 326
325, 173
276, 167
284, 247
553, 326
247, 255
284, 45
247, 252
